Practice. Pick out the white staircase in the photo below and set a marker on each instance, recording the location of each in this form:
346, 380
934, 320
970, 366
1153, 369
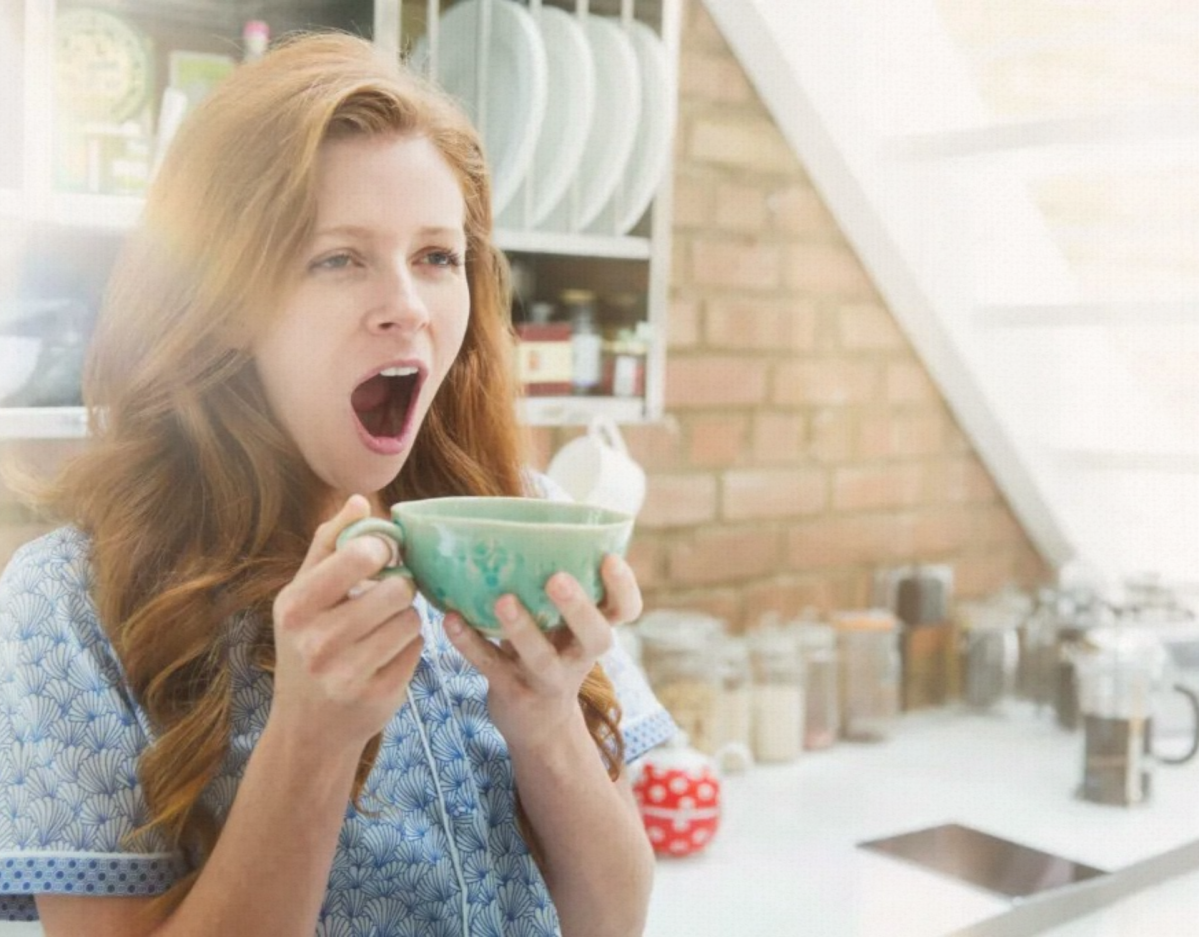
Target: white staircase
1024, 191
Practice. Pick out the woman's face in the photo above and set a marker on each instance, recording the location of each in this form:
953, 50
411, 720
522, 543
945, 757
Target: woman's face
352, 362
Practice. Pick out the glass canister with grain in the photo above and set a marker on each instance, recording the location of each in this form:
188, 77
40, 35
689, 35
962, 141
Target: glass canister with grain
680, 653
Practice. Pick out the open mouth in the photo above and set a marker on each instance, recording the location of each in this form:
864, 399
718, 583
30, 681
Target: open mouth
384, 401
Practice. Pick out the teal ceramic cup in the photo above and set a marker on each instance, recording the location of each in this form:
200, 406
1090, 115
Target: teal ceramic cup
463, 553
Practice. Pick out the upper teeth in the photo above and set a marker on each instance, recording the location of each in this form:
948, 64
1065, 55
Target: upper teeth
398, 372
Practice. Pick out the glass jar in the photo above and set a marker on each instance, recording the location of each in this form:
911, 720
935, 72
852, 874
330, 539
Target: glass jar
822, 685
732, 739
778, 693
679, 653
586, 342
868, 642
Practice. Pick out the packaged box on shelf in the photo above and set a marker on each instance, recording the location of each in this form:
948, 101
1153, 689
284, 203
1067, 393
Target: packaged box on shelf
543, 361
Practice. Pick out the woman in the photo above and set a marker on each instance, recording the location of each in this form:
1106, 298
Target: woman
212, 722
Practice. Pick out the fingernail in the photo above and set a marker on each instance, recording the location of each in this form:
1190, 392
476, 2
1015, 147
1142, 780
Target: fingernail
452, 624
377, 549
561, 586
505, 608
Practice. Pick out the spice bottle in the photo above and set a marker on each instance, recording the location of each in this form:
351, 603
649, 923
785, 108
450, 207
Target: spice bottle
822, 685
868, 642
778, 694
733, 726
586, 342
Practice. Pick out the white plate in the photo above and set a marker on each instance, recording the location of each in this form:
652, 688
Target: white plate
514, 86
651, 150
569, 105
613, 125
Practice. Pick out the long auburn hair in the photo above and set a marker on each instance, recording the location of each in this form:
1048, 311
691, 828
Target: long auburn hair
199, 507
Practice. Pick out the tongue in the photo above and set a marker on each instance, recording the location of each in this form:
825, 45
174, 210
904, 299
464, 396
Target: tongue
370, 394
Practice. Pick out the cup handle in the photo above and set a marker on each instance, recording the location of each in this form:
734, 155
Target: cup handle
1182, 759
605, 430
386, 531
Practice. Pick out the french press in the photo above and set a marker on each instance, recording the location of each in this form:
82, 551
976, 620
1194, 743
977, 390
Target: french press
1122, 675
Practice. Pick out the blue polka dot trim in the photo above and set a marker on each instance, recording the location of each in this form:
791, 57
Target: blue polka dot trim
644, 734
23, 876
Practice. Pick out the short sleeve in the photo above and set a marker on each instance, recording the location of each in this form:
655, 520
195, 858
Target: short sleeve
644, 722
70, 738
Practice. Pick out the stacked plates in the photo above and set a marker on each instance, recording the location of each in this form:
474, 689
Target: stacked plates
576, 113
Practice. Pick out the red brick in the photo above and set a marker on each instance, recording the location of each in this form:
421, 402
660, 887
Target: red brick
869, 327
852, 540
778, 436
647, 556
790, 596
864, 488
658, 447
725, 555
682, 330
938, 532
773, 493
740, 207
963, 480
761, 324
907, 382
832, 434
799, 210
692, 200
826, 270
712, 76
886, 435
748, 141
717, 441
735, 264
678, 501
825, 382
714, 381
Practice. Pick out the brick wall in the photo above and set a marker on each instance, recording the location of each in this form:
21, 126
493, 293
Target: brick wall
804, 445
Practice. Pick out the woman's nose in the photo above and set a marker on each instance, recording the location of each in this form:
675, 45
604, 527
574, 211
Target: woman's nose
397, 304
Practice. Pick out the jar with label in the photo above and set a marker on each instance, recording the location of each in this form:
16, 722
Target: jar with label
586, 342
822, 684
624, 361
778, 693
679, 653
732, 739
868, 642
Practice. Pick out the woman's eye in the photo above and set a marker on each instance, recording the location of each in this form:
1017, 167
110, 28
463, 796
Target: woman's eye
440, 258
334, 262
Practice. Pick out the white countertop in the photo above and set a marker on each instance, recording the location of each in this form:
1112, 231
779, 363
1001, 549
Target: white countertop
784, 860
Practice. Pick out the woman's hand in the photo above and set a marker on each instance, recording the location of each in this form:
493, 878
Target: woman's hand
346, 646
534, 676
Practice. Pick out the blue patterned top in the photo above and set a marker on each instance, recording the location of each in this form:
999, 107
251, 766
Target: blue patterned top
435, 851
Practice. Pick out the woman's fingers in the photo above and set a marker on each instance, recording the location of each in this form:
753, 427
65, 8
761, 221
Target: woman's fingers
360, 663
591, 630
481, 653
328, 583
330, 636
622, 596
324, 541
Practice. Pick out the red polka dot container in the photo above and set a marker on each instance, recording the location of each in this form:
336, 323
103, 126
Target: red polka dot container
679, 796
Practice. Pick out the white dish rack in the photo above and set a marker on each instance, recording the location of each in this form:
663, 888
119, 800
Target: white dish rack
641, 255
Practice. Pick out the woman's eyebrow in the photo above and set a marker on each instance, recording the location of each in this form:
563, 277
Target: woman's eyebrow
366, 233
